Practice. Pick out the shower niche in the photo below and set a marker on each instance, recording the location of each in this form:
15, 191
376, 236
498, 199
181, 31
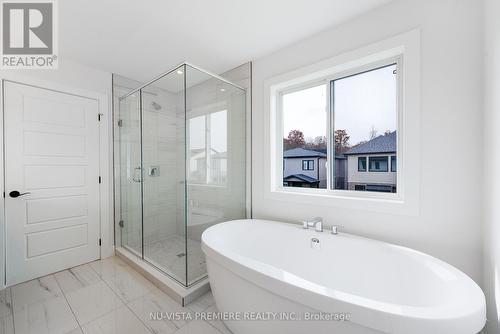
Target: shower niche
180, 167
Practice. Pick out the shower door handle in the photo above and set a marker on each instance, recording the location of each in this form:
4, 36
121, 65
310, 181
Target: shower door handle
137, 177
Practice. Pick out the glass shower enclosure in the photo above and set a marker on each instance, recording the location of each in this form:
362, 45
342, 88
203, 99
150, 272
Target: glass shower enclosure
180, 167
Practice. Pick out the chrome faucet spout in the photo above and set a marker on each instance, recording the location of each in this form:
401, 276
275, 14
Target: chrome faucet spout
316, 222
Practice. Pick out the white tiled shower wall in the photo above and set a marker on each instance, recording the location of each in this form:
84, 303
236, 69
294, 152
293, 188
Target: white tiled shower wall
159, 150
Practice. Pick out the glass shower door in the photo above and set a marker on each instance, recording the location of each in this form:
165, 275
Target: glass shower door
216, 160
164, 174
130, 192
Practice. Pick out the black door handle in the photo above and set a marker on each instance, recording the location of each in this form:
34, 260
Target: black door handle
16, 193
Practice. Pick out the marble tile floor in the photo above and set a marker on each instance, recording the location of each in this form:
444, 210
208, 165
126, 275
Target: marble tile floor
168, 254
101, 297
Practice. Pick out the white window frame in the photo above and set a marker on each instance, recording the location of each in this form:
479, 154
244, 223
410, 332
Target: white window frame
330, 126
403, 49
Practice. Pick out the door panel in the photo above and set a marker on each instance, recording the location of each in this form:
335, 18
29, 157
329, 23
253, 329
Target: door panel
52, 241
52, 153
47, 209
53, 144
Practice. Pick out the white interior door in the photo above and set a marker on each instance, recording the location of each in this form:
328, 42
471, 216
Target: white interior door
52, 160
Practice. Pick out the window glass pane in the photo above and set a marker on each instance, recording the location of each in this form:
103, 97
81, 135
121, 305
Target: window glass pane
218, 147
359, 187
307, 164
304, 136
378, 164
393, 164
364, 109
362, 164
197, 150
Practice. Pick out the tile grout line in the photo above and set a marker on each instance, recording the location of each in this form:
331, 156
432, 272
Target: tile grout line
113, 291
125, 304
137, 316
140, 320
41, 301
101, 280
207, 322
12, 310
216, 327
67, 301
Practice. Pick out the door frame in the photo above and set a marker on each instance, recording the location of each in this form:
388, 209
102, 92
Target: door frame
105, 159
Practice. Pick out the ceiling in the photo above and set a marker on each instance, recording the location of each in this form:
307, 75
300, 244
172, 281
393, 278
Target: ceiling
140, 39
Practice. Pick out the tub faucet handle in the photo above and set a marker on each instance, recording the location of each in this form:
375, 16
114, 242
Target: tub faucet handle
316, 222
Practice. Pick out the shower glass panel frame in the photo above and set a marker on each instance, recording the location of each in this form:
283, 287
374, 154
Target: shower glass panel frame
181, 167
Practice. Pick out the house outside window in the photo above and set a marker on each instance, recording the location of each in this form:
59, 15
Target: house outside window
349, 122
307, 164
299, 168
208, 149
377, 176
361, 164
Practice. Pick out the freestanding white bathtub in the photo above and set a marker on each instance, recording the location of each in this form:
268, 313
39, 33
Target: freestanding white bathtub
264, 272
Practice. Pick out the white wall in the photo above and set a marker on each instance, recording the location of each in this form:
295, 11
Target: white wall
448, 223
491, 176
69, 73
74, 76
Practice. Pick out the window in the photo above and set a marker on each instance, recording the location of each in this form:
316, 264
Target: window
208, 148
217, 125
349, 120
379, 188
361, 164
393, 164
197, 148
359, 187
307, 164
305, 135
378, 164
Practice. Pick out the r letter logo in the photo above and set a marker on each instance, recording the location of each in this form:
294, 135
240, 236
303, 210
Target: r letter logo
29, 35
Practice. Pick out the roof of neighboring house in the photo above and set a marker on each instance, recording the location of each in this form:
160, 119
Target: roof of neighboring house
381, 144
324, 150
302, 153
301, 177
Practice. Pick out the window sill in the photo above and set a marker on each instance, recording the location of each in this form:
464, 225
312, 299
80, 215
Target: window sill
337, 193
347, 199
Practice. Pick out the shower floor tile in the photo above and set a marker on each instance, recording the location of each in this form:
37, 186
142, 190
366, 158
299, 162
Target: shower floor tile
169, 254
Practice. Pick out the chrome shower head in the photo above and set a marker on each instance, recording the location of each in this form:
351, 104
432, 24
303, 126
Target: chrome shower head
156, 106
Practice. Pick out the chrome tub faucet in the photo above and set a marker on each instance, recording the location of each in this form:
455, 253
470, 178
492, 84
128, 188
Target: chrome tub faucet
316, 222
